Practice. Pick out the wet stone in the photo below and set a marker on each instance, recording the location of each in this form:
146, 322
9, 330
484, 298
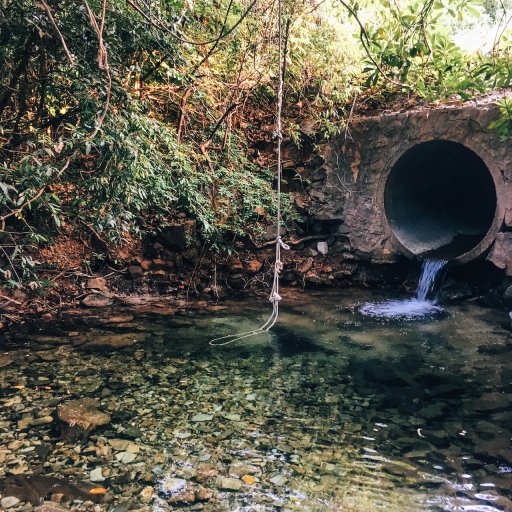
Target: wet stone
182, 497
240, 469
492, 402
201, 417
279, 480
111, 341
5, 360
50, 506
172, 485
229, 484
126, 457
124, 445
9, 501
96, 475
206, 472
82, 414
432, 411
147, 494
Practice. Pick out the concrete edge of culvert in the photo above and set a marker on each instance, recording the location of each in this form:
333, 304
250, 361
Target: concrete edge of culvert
485, 242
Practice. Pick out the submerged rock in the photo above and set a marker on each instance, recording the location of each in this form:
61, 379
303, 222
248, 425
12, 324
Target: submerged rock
96, 475
111, 341
80, 417
50, 506
34, 488
5, 360
201, 417
9, 502
172, 485
279, 480
229, 484
206, 472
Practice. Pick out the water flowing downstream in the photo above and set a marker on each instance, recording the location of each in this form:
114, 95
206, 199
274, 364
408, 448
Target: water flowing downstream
423, 304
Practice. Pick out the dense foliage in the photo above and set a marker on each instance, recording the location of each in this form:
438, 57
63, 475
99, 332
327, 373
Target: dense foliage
115, 115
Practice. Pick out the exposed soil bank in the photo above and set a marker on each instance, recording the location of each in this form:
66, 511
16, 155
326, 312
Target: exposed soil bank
434, 176
183, 279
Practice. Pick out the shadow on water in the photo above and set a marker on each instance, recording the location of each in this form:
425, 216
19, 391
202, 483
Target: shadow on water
290, 342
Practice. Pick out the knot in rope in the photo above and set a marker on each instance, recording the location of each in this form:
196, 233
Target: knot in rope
274, 297
284, 246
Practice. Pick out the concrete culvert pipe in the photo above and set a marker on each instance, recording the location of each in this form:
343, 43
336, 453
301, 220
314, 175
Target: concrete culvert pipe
440, 201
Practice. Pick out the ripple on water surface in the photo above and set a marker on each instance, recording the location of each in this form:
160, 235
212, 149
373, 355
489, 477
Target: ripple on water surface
329, 412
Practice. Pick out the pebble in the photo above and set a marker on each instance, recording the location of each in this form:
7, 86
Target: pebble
45, 420
206, 472
146, 494
183, 497
172, 485
126, 457
50, 506
96, 475
9, 501
240, 469
322, 248
279, 480
229, 484
201, 417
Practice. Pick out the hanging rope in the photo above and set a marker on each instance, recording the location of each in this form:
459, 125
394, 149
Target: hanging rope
278, 265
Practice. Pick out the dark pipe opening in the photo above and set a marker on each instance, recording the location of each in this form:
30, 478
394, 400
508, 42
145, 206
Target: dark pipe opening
440, 200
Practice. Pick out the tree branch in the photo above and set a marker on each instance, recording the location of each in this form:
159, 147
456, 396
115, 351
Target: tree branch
62, 40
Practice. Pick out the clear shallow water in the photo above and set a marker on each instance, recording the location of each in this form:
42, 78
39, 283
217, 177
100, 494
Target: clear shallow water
332, 411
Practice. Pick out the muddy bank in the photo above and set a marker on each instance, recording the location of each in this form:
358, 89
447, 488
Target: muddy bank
184, 277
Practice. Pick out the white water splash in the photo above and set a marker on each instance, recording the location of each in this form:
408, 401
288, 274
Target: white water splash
410, 309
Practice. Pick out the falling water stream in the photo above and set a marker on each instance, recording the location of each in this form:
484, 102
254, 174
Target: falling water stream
423, 304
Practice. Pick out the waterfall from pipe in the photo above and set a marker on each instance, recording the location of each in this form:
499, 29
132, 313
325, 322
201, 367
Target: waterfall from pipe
423, 304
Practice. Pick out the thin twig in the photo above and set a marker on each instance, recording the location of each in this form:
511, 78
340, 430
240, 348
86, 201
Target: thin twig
11, 300
289, 242
161, 26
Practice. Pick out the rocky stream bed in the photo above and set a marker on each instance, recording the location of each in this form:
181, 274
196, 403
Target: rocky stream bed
131, 409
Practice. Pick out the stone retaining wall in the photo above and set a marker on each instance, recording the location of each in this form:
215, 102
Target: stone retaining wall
347, 189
